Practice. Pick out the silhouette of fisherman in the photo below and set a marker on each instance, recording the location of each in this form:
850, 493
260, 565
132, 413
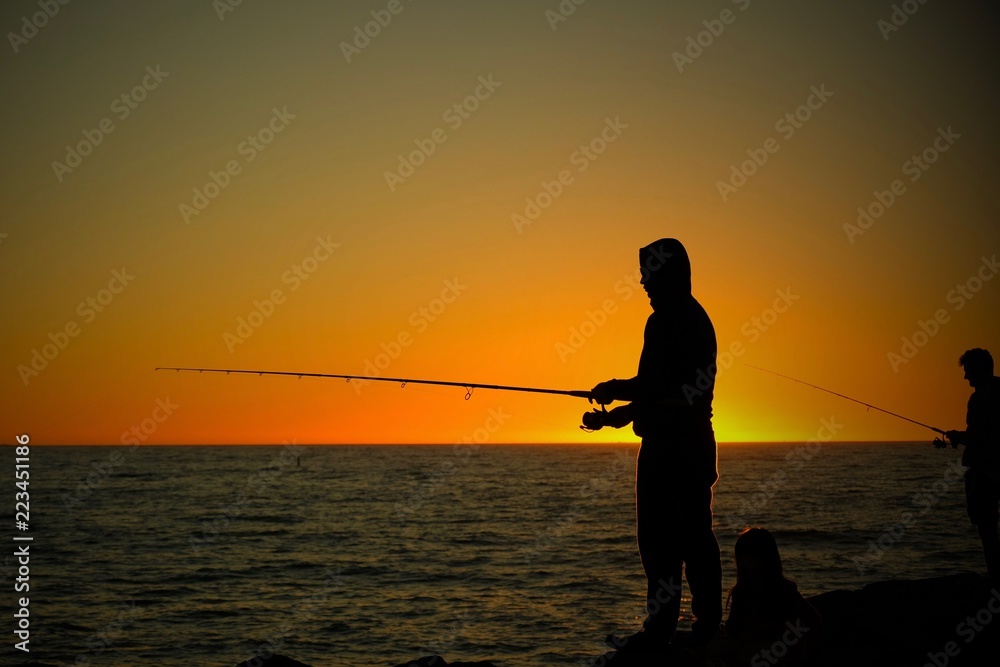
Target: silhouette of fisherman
982, 453
670, 408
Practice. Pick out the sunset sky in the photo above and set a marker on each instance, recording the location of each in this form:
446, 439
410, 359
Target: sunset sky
465, 193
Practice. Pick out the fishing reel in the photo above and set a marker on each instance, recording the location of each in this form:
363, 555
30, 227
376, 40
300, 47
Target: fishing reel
943, 443
594, 420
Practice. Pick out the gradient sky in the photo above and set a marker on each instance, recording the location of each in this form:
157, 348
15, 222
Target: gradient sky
523, 289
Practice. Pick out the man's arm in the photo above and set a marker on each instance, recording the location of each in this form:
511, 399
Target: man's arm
619, 417
631, 390
657, 381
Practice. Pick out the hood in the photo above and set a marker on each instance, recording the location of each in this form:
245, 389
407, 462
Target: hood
665, 267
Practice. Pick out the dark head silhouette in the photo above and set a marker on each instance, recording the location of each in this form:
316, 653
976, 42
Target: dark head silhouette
978, 365
764, 603
757, 557
666, 271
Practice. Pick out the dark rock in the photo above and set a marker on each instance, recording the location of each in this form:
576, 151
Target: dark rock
945, 622
912, 622
438, 661
273, 661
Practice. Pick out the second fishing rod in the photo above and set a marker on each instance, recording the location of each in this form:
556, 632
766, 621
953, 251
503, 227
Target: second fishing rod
940, 442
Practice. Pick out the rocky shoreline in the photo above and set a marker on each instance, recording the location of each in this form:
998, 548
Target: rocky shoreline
951, 621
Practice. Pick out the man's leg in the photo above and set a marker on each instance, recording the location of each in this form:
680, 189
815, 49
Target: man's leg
703, 562
657, 525
991, 550
982, 496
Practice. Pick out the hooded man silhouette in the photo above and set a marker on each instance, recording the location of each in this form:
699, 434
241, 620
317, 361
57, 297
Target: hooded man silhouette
982, 453
670, 408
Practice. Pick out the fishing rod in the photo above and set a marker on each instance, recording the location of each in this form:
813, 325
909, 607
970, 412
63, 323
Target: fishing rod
468, 386
938, 442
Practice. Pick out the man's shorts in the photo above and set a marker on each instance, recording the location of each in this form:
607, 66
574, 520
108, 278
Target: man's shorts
982, 496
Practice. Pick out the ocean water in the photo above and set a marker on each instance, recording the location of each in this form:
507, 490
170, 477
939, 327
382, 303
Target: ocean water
377, 555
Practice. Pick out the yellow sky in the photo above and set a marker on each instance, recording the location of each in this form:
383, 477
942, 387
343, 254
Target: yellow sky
497, 168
